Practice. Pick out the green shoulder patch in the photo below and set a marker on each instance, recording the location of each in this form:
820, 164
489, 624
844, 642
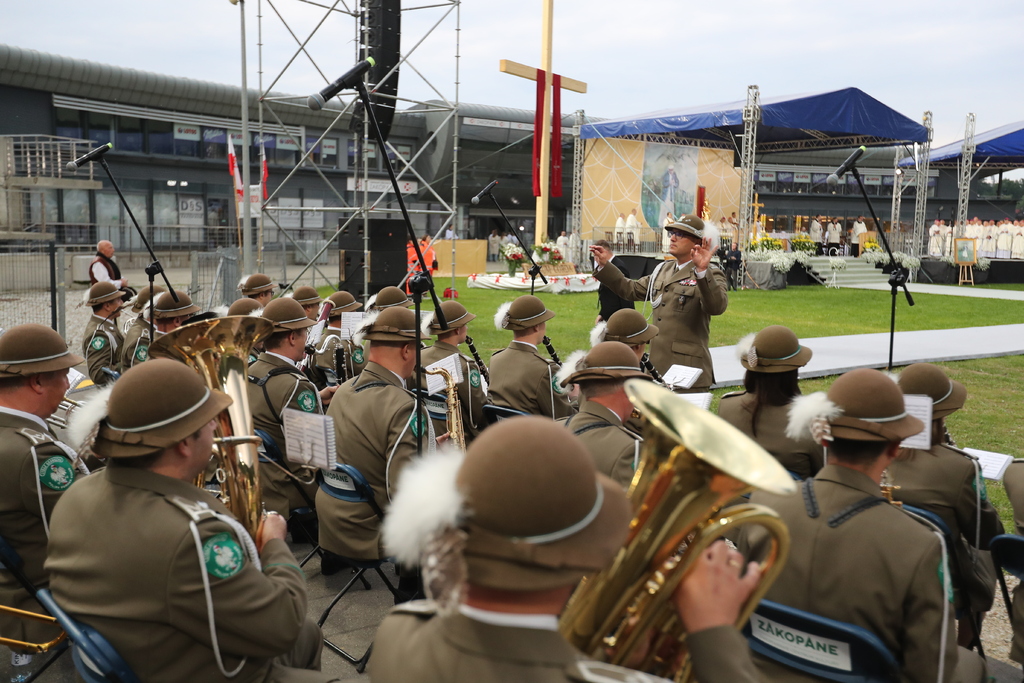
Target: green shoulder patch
942, 582
223, 556
98, 343
556, 387
306, 400
980, 481
141, 353
416, 424
56, 473
357, 356
474, 378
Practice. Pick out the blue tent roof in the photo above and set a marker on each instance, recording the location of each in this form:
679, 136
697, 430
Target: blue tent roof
1001, 147
840, 118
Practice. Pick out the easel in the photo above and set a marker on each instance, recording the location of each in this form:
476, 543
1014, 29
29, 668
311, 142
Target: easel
961, 245
966, 274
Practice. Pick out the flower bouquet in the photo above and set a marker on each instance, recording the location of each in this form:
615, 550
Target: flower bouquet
513, 255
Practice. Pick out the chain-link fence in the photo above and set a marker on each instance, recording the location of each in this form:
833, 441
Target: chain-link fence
215, 276
29, 280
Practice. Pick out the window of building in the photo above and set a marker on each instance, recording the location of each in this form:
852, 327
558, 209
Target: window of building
76, 206
160, 135
186, 140
215, 143
404, 151
286, 152
129, 134
68, 123
371, 154
101, 128
217, 211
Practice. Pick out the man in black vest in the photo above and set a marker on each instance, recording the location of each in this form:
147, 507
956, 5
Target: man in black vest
103, 268
609, 301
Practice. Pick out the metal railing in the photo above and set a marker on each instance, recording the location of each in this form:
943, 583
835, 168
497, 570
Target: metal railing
43, 156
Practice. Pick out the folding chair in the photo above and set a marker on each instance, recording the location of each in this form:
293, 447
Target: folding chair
826, 648
347, 483
95, 658
271, 453
1008, 553
437, 410
495, 414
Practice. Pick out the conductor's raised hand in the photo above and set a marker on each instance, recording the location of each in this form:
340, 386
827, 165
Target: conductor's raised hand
601, 255
701, 255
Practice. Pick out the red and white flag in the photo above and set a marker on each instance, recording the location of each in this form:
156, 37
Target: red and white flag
235, 173
263, 172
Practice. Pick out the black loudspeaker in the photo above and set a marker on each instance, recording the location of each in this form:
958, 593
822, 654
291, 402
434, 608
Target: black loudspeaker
381, 24
386, 268
385, 235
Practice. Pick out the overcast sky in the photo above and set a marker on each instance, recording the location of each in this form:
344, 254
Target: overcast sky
949, 56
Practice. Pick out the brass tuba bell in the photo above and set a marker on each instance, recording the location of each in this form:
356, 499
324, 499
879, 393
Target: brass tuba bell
691, 465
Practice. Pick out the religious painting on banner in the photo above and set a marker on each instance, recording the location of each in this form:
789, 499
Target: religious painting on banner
670, 182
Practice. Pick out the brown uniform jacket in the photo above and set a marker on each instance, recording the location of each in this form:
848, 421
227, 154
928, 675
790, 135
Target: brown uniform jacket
804, 457
415, 645
944, 480
288, 388
355, 357
135, 348
614, 448
101, 346
123, 560
375, 433
879, 570
524, 380
30, 486
683, 306
471, 389
1013, 480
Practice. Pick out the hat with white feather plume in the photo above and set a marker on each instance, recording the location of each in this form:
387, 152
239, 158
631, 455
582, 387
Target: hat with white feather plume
606, 361
773, 349
628, 326
522, 314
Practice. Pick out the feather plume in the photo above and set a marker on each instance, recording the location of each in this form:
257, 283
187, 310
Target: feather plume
500, 315
220, 311
425, 322
256, 313
428, 503
598, 333
241, 281
894, 376
371, 301
364, 326
288, 295
805, 410
573, 363
744, 345
85, 420
714, 235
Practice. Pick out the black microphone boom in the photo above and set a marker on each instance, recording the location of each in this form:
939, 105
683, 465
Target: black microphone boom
833, 178
348, 81
483, 193
91, 155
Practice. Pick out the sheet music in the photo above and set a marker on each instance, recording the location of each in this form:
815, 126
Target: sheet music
349, 324
920, 406
993, 465
309, 438
75, 378
702, 400
435, 383
681, 376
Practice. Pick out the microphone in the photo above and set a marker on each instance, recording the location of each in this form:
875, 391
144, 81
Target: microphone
348, 80
484, 192
833, 178
89, 156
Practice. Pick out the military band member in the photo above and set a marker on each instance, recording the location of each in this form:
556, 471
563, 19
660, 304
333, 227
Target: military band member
772, 358
376, 431
389, 297
627, 326
168, 315
156, 564
138, 305
1013, 480
604, 407
684, 296
35, 468
247, 306
354, 356
894, 584
276, 383
309, 299
259, 287
512, 546
472, 395
521, 378
949, 482
101, 342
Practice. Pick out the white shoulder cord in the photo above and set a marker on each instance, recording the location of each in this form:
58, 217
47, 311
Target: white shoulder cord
551, 390
947, 588
39, 494
978, 483
650, 288
431, 440
250, 546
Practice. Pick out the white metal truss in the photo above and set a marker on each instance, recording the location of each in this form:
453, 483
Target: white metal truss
921, 200
578, 158
899, 184
448, 15
965, 177
751, 117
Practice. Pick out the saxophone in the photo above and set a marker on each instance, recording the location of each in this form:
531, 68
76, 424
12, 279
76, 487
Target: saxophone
453, 407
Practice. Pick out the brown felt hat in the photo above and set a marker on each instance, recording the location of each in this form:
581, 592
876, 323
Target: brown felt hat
525, 312
306, 295
629, 326
102, 292
392, 324
690, 224
286, 314
948, 396
166, 307
540, 515
244, 306
389, 297
153, 406
608, 360
30, 349
872, 408
773, 349
256, 283
455, 316
343, 303
143, 297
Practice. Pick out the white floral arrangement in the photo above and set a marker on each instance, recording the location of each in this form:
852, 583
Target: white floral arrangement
982, 264
803, 257
875, 257
512, 252
906, 260
836, 263
781, 261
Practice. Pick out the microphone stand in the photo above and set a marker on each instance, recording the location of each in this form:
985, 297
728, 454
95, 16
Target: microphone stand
899, 275
153, 268
534, 269
420, 282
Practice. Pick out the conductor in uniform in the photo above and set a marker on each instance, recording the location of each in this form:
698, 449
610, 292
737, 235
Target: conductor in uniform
159, 566
102, 340
684, 296
35, 468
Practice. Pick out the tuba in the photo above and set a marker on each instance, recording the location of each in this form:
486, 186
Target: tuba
691, 465
218, 350
453, 407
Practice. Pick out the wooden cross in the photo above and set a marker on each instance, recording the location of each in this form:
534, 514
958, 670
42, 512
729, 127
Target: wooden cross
524, 71
757, 212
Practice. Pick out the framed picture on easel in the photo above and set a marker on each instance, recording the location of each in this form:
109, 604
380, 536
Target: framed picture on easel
965, 254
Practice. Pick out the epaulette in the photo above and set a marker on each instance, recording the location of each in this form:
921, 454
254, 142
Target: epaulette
424, 609
196, 510
498, 351
589, 671
37, 438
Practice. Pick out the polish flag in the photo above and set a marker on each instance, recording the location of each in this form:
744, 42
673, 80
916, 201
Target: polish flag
234, 172
264, 174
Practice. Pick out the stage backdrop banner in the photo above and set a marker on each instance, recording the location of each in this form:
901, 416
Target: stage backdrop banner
656, 178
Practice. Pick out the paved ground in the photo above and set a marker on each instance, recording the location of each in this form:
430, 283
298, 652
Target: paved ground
950, 290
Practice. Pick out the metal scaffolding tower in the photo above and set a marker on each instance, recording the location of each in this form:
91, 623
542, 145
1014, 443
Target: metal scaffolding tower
751, 117
578, 149
899, 184
965, 177
921, 200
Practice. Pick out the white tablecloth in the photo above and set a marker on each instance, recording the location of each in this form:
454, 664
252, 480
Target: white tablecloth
556, 284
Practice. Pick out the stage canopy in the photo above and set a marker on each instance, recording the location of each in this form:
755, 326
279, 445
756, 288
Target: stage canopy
840, 118
998, 149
